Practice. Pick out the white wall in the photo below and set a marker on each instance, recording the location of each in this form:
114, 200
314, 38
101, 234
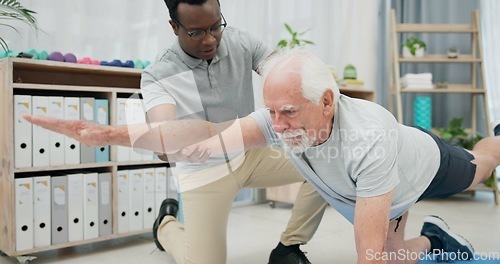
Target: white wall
345, 31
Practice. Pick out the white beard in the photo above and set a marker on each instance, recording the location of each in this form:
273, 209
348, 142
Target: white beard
296, 141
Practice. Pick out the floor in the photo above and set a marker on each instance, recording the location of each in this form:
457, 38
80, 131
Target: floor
254, 230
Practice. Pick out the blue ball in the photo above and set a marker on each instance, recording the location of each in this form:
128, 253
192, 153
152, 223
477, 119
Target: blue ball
128, 64
116, 63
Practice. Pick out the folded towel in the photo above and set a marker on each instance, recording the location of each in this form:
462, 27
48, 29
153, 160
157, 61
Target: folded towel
417, 86
417, 76
419, 82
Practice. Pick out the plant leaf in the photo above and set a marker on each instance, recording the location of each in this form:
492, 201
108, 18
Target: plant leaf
283, 43
13, 10
289, 29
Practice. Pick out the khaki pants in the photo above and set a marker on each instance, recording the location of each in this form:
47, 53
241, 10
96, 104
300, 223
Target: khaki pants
201, 239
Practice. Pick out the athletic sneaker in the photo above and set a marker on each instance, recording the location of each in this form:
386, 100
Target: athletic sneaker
436, 228
294, 257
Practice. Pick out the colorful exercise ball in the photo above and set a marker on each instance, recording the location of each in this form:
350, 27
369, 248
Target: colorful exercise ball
70, 57
56, 56
34, 53
43, 55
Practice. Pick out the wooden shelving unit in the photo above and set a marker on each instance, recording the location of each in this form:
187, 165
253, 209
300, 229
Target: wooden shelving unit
48, 78
475, 59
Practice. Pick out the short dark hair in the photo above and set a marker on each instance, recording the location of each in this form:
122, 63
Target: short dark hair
172, 6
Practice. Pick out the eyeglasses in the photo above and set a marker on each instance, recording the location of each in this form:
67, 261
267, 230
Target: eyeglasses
215, 30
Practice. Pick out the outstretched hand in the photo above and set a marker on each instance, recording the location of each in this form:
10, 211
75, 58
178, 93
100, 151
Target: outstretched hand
87, 133
198, 154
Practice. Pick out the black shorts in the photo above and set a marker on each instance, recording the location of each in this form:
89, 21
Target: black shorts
455, 173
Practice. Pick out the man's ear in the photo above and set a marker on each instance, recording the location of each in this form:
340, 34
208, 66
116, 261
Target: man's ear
327, 102
174, 26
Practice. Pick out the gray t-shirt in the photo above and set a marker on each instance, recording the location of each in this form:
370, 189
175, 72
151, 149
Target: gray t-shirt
219, 91
367, 154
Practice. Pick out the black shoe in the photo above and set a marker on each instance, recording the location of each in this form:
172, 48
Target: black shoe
496, 127
435, 227
294, 257
169, 206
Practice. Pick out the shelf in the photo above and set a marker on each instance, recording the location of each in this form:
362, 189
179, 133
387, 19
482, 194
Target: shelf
474, 59
141, 162
48, 78
89, 165
358, 93
452, 88
482, 187
65, 167
70, 88
353, 90
72, 67
462, 58
77, 243
28, 71
436, 28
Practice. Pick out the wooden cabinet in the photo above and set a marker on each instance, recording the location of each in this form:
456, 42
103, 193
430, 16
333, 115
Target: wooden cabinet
474, 59
48, 78
288, 193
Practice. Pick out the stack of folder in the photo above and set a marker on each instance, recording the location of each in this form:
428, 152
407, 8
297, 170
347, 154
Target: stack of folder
32, 149
77, 206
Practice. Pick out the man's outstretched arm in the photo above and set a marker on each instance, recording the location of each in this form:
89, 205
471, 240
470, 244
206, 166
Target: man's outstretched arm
167, 136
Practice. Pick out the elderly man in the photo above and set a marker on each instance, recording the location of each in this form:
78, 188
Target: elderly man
354, 153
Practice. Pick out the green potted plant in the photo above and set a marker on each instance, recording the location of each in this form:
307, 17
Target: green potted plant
413, 47
294, 41
457, 136
13, 10
453, 52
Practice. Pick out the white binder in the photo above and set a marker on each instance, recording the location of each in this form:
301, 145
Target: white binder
22, 132
122, 203
41, 150
87, 153
24, 213
72, 147
75, 207
59, 214
135, 115
136, 199
56, 110
42, 210
160, 187
122, 153
90, 206
138, 116
105, 204
148, 206
101, 116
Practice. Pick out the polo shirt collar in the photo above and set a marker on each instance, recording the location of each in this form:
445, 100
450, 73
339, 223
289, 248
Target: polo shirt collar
222, 51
